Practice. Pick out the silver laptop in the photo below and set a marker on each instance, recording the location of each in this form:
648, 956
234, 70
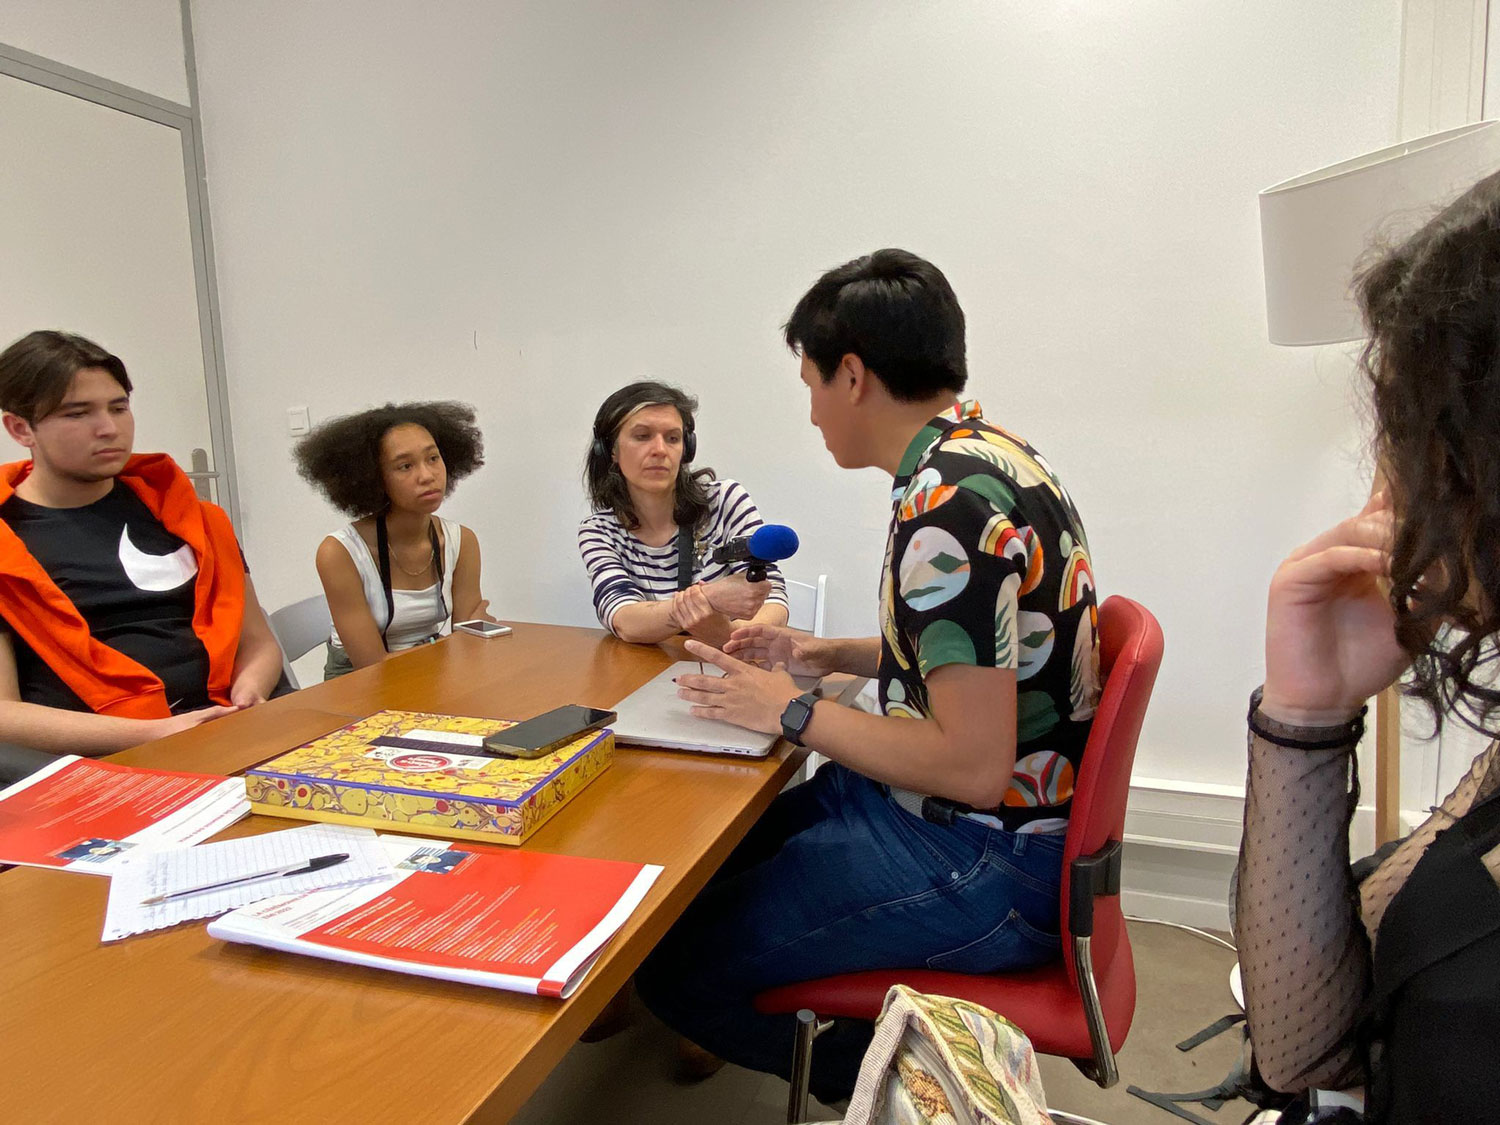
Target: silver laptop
652, 715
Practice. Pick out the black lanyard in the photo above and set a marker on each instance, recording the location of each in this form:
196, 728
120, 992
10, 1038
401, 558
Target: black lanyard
684, 557
383, 551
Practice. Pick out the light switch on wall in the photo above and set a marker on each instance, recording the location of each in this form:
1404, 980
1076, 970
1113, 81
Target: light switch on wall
297, 420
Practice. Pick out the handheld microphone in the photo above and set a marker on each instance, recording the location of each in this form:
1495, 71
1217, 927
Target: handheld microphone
766, 544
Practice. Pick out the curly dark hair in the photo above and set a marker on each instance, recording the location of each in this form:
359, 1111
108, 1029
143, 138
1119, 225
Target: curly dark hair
607, 488
1433, 360
341, 457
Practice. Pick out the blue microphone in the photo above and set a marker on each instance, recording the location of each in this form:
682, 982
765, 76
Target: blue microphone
768, 543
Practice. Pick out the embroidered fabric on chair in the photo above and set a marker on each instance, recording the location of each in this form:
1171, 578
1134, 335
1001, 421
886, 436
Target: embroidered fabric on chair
935, 1061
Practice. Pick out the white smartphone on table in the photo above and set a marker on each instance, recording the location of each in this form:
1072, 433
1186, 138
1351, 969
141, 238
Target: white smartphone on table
482, 628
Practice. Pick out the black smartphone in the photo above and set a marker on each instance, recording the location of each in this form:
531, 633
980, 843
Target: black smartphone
546, 732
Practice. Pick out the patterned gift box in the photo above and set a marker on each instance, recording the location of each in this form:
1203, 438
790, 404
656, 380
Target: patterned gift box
414, 771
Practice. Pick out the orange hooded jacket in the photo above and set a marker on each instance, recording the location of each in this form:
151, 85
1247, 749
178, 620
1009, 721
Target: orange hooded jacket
107, 680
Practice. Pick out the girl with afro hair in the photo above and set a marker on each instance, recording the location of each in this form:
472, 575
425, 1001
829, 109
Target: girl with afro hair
398, 575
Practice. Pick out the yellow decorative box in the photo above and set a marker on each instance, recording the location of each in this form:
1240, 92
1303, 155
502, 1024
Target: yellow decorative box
421, 772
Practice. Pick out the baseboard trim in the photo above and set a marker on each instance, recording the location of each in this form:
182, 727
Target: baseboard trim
1194, 817
1202, 913
1184, 837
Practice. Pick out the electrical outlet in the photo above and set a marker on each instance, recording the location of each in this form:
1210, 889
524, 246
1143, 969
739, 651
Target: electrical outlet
297, 420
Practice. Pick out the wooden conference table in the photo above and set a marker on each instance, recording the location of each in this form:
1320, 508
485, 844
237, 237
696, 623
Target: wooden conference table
176, 1026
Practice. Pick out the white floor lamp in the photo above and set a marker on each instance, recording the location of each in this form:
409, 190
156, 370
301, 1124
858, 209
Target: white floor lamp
1314, 230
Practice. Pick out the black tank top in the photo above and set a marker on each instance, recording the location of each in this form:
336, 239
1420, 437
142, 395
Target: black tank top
1435, 1005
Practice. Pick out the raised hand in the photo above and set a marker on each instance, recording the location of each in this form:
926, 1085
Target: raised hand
1330, 630
769, 645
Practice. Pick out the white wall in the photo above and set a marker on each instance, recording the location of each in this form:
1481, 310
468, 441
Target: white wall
108, 256
136, 43
528, 204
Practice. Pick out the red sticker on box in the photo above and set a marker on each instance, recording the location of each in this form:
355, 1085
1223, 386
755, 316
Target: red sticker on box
421, 763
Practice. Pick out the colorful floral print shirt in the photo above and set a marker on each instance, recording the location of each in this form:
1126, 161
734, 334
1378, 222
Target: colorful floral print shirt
987, 564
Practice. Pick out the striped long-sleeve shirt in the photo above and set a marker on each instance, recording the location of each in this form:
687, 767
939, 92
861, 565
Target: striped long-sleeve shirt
624, 570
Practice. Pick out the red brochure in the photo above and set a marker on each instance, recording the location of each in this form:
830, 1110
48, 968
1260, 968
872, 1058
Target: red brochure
83, 815
513, 919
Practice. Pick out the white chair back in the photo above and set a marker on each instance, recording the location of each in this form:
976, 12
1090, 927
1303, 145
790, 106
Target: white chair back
805, 604
805, 608
300, 628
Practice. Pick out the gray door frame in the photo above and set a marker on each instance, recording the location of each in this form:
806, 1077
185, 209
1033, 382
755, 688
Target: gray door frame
80, 84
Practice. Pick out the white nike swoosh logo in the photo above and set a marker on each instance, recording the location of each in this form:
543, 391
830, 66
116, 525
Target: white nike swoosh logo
156, 572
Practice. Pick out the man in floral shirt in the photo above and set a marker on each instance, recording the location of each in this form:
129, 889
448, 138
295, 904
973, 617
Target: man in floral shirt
987, 564
933, 836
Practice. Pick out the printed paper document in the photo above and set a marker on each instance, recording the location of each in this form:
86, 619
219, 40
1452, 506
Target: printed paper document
81, 815
503, 918
163, 872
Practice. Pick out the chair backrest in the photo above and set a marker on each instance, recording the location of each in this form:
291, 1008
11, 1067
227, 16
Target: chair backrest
300, 628
1130, 648
805, 604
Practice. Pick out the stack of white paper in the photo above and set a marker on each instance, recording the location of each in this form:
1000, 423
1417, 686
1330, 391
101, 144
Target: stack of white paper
151, 873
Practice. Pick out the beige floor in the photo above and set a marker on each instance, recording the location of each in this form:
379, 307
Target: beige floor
1181, 984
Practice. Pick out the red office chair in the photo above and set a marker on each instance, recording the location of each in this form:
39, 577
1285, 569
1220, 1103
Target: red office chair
1081, 1006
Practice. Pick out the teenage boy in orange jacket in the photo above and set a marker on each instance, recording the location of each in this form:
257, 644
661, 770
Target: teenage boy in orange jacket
126, 612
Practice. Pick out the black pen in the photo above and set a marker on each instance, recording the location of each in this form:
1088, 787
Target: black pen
316, 864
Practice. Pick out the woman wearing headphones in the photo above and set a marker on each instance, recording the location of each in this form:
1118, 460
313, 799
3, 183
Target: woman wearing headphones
398, 573
656, 523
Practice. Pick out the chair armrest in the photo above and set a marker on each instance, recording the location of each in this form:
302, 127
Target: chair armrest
1091, 877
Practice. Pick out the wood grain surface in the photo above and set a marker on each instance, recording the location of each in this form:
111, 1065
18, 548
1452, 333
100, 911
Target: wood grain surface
175, 1026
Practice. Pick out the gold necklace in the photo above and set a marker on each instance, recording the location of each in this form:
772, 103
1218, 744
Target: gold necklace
421, 571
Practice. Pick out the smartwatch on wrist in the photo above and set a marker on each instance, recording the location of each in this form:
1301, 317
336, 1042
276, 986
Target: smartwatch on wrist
797, 715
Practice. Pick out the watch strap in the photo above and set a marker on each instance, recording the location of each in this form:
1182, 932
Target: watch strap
797, 715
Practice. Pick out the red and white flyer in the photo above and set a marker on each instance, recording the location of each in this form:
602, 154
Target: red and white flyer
78, 814
502, 918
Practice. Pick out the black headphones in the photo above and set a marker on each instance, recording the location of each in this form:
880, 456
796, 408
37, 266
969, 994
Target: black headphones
689, 436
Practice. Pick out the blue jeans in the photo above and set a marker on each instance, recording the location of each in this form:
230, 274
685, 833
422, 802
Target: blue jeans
834, 878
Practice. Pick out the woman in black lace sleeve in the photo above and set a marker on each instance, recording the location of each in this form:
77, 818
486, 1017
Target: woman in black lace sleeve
1390, 984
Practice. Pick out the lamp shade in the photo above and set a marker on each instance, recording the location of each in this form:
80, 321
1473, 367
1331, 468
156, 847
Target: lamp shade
1315, 228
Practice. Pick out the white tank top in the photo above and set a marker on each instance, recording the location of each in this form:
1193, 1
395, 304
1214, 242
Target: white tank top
419, 615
